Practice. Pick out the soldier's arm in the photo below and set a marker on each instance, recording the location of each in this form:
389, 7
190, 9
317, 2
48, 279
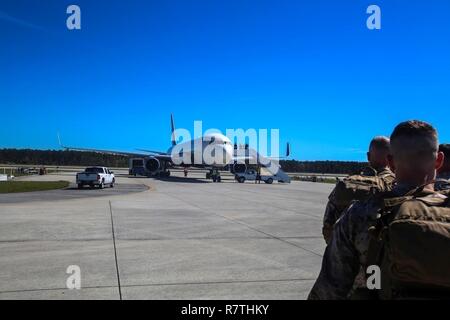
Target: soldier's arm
340, 264
330, 217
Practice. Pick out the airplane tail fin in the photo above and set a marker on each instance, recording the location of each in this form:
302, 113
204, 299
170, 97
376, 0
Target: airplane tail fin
59, 141
174, 138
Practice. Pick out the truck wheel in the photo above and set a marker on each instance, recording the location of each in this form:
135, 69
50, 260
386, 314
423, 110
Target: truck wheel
241, 180
269, 181
113, 182
219, 179
80, 186
214, 179
101, 185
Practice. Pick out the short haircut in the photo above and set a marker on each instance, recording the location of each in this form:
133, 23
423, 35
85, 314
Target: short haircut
445, 149
416, 131
380, 143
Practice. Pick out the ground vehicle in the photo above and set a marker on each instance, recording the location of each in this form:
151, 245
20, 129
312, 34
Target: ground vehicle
96, 176
251, 174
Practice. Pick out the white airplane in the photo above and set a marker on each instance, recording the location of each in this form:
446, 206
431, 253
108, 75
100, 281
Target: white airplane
189, 154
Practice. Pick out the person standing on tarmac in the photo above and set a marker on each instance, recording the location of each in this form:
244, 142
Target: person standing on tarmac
258, 174
377, 177
415, 159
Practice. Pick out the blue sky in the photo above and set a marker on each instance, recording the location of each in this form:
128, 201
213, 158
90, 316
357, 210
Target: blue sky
309, 68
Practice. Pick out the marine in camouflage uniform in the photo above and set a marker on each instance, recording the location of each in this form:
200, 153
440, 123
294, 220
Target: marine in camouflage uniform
377, 155
347, 253
333, 212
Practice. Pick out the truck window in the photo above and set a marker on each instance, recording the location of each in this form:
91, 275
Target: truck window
94, 170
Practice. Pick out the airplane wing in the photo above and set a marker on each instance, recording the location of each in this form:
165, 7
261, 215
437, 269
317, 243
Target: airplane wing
152, 151
165, 157
159, 155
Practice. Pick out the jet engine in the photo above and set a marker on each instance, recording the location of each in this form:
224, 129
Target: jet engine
153, 165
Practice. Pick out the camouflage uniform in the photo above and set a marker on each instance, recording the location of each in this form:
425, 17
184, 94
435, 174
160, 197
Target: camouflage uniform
333, 213
347, 251
442, 185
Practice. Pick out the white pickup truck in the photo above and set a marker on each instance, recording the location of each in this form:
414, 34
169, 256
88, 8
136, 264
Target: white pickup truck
251, 176
96, 176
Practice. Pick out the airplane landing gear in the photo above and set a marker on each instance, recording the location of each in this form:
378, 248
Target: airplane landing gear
164, 174
214, 174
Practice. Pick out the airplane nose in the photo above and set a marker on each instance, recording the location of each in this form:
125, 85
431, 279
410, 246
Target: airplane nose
229, 151
227, 154
220, 155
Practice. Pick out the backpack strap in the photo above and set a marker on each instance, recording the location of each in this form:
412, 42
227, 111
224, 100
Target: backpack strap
384, 208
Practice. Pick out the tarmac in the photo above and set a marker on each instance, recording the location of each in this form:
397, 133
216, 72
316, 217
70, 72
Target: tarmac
178, 238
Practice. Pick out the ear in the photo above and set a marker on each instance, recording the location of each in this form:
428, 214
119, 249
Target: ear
391, 162
439, 160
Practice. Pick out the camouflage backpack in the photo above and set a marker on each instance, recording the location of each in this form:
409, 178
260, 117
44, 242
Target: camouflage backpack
411, 245
360, 187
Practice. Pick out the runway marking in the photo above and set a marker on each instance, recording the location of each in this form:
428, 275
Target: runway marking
115, 249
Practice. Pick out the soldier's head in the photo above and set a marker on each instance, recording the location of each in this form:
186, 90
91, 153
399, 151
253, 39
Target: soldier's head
379, 150
445, 149
414, 153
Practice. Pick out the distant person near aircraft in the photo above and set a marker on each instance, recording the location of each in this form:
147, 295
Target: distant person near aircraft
377, 177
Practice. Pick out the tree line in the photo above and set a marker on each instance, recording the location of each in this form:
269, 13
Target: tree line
77, 158
60, 158
323, 167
